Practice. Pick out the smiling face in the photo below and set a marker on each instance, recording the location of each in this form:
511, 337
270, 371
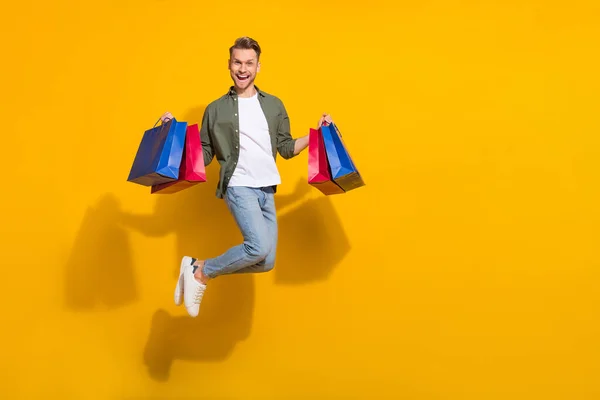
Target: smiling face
243, 66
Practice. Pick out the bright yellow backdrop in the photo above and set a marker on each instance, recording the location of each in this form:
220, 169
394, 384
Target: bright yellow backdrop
467, 268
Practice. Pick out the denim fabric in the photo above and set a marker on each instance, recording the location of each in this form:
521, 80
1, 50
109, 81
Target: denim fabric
254, 212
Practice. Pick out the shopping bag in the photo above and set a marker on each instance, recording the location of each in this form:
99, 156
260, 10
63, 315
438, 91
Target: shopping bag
192, 170
319, 174
159, 154
343, 170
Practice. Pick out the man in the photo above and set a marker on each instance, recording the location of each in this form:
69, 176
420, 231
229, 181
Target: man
244, 130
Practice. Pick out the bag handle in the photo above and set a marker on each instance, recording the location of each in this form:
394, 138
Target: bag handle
332, 125
166, 120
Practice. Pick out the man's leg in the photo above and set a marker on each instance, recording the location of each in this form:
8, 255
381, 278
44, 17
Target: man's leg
267, 205
247, 207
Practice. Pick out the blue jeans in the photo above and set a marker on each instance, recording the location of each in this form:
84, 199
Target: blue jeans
254, 212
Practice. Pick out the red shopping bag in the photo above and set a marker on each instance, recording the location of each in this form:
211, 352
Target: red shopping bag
192, 170
319, 173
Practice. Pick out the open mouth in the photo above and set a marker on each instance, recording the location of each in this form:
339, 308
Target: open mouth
243, 78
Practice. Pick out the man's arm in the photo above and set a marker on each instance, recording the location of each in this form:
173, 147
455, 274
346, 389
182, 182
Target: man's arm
301, 144
286, 145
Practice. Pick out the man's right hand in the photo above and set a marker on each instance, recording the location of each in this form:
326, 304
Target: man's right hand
166, 116
325, 120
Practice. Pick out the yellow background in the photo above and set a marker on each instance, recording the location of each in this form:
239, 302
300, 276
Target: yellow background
467, 268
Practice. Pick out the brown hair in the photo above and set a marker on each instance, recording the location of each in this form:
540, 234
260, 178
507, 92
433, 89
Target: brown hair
246, 43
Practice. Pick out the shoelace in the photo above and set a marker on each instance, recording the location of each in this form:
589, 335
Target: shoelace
199, 294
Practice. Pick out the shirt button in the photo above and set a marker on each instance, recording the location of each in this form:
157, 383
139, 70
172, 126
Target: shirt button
235, 115
236, 147
236, 130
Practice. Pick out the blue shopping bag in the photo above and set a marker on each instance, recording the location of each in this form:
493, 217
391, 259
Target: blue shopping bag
159, 155
343, 170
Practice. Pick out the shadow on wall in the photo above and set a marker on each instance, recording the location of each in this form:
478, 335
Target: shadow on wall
99, 271
311, 243
312, 239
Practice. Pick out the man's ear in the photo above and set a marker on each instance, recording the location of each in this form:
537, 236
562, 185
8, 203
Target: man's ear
258, 68
228, 64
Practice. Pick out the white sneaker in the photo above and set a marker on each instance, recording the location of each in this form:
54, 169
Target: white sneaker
185, 261
193, 291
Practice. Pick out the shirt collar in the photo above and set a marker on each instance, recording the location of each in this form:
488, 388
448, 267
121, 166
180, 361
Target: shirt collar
233, 93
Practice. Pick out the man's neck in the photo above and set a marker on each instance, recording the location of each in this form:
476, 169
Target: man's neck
248, 92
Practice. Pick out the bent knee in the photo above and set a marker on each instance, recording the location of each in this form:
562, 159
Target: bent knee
268, 266
257, 251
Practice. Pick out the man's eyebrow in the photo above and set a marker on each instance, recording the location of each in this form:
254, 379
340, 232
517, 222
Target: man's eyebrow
250, 60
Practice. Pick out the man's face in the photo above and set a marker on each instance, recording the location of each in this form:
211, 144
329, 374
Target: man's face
243, 67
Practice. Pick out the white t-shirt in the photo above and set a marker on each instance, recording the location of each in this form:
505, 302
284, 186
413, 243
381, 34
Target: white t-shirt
256, 166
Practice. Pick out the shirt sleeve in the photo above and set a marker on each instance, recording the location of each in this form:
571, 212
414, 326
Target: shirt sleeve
207, 148
285, 142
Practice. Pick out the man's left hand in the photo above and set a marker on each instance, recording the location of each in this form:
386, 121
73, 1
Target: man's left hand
325, 120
